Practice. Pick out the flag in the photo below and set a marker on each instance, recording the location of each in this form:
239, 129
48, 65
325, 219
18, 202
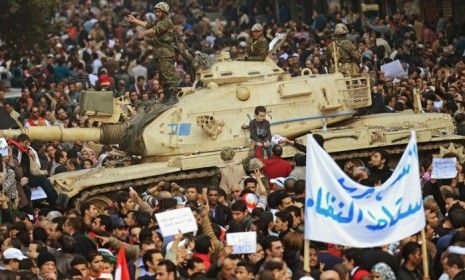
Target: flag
341, 211
122, 272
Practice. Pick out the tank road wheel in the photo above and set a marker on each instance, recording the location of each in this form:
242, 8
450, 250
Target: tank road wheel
100, 201
103, 195
452, 150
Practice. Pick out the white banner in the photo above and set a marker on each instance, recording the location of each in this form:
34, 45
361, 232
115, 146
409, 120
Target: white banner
341, 211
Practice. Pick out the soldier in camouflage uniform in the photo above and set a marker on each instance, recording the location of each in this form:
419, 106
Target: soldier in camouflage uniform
161, 35
257, 46
346, 53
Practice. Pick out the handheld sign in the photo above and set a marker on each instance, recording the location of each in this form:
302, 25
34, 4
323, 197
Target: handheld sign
173, 221
444, 168
3, 147
38, 193
242, 242
393, 69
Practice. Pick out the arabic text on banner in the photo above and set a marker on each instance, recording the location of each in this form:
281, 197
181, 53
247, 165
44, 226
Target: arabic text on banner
341, 211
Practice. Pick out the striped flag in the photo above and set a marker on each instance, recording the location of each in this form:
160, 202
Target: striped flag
122, 272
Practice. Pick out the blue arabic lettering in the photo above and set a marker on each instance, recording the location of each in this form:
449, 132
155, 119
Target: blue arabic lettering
410, 211
360, 216
405, 171
345, 187
413, 151
390, 216
381, 223
367, 194
330, 211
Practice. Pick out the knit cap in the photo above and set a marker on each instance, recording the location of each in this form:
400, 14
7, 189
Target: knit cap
44, 257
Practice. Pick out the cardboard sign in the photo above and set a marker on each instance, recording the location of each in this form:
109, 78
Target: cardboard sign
444, 168
173, 221
242, 242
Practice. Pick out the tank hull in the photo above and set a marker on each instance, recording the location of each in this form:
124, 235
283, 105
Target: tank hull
356, 139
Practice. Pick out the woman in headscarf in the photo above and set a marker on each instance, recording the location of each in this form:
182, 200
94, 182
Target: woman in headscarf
382, 271
88, 153
8, 176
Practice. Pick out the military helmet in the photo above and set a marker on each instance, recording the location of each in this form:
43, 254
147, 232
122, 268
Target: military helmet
163, 6
227, 153
341, 29
257, 27
255, 164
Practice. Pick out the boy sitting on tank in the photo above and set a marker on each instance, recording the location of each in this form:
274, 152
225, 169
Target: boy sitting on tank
260, 132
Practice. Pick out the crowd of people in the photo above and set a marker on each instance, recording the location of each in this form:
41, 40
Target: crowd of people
99, 48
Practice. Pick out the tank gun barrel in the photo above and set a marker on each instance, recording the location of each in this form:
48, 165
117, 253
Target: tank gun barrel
55, 133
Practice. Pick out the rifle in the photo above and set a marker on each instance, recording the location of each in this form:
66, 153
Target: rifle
352, 56
197, 59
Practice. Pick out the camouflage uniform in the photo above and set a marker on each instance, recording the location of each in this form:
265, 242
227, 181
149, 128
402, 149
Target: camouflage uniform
257, 50
346, 53
163, 41
231, 170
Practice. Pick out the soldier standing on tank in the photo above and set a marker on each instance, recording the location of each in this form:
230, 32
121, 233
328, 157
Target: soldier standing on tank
257, 46
345, 54
161, 35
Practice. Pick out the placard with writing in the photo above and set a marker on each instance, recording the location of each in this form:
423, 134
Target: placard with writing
173, 221
242, 242
444, 168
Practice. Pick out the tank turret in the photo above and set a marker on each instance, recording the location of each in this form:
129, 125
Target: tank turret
217, 116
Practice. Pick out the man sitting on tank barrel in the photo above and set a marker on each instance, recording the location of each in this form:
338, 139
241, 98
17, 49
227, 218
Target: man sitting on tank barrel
257, 46
161, 35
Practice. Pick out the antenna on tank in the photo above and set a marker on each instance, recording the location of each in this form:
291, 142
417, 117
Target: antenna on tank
336, 68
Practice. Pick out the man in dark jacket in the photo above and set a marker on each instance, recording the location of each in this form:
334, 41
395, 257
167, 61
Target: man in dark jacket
30, 165
455, 266
84, 243
379, 166
219, 214
411, 267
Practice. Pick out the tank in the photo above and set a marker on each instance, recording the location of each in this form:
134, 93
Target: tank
182, 143
360, 136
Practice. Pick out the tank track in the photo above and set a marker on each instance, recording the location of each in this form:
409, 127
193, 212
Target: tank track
184, 177
206, 175
394, 150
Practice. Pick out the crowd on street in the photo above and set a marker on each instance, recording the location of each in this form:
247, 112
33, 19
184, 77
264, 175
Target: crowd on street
99, 48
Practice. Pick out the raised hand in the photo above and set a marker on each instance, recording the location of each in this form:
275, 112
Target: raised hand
178, 237
131, 19
103, 239
141, 34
